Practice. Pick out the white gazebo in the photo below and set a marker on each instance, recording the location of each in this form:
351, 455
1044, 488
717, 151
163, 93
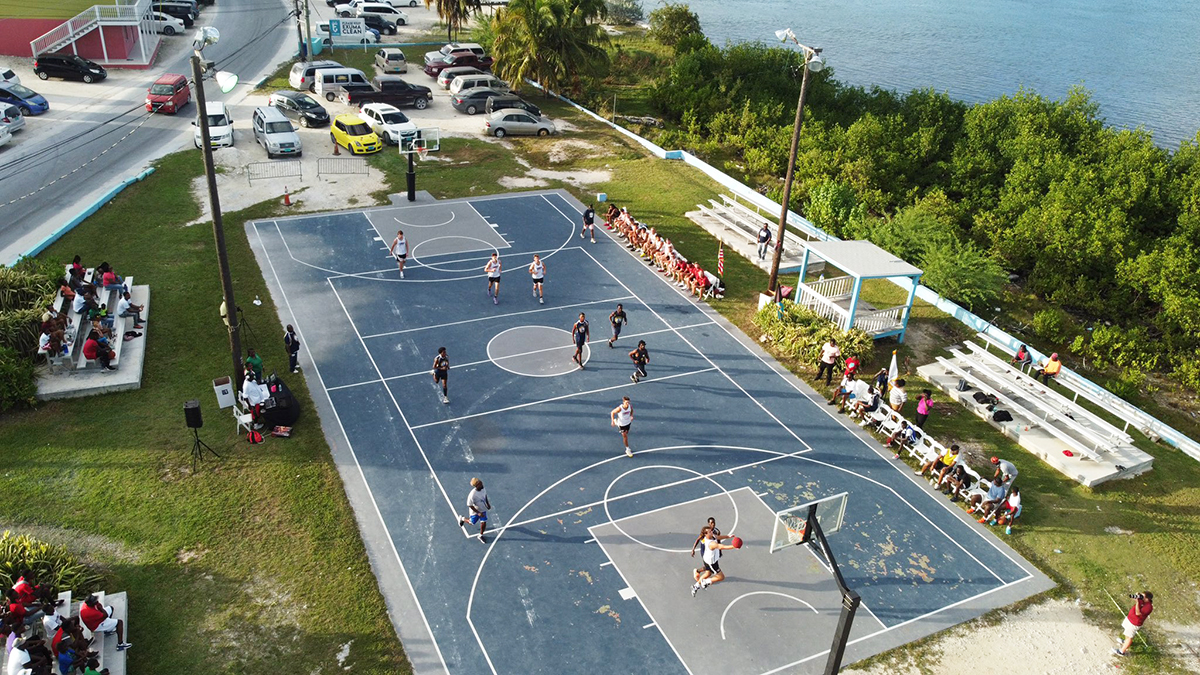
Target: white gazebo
837, 299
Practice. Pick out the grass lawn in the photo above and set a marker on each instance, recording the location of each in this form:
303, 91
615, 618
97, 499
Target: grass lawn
255, 561
63, 9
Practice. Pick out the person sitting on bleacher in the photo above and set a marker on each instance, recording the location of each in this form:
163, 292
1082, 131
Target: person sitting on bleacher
1049, 369
125, 307
956, 482
51, 343
77, 267
93, 668
28, 656
1022, 358
100, 619
611, 215
84, 302
72, 654
941, 464
30, 592
112, 281
94, 351
989, 502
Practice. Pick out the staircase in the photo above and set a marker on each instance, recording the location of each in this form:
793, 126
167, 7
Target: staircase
123, 13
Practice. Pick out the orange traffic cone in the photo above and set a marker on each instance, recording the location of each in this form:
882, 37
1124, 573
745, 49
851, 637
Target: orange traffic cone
287, 197
336, 149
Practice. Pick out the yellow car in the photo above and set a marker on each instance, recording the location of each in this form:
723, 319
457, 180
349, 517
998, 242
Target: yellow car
352, 133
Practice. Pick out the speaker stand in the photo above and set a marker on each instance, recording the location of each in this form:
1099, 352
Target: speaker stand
198, 448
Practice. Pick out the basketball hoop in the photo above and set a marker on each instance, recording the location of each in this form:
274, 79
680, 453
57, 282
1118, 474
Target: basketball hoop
422, 153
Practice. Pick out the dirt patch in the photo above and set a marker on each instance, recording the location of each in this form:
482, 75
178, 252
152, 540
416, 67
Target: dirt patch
186, 555
1048, 639
1182, 644
1113, 529
929, 339
241, 629
571, 149
521, 182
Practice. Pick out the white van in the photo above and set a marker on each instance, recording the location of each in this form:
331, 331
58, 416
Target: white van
275, 132
302, 75
465, 82
220, 126
330, 82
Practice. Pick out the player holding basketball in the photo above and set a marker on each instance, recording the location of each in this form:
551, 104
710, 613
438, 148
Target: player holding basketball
621, 417
537, 270
589, 222
618, 320
441, 372
493, 273
640, 358
711, 555
399, 250
580, 333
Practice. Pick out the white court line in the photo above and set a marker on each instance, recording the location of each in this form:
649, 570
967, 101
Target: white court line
558, 398
746, 595
452, 214
649, 625
613, 522
494, 316
350, 446
423, 373
788, 378
392, 396
604, 564
364, 275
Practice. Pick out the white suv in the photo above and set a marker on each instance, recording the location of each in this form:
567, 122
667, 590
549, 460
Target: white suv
387, 122
220, 126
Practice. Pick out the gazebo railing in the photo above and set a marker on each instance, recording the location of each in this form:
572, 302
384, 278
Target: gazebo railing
824, 307
836, 287
880, 320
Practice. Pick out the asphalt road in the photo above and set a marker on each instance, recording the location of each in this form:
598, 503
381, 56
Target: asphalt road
41, 153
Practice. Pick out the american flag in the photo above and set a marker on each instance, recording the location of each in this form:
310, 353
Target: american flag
721, 260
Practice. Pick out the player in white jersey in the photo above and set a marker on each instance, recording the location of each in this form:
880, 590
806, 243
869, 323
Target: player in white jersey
622, 417
711, 555
399, 250
537, 270
493, 272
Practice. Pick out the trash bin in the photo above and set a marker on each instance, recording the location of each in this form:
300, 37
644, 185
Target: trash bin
602, 197
224, 391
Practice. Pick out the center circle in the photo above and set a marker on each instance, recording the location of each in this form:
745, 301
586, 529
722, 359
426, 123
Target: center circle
664, 466
535, 351
446, 247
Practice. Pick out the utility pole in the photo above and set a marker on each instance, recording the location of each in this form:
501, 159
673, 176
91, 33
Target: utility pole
307, 33
299, 31
235, 340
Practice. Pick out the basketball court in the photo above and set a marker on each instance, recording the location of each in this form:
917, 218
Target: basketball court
586, 563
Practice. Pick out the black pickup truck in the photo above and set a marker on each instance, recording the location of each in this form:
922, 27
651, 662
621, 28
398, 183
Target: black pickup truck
390, 89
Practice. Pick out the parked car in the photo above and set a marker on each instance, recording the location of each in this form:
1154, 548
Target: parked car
379, 23
68, 67
516, 122
164, 23
7, 75
352, 133
302, 74
390, 89
391, 60
448, 74
464, 83
383, 10
468, 58
168, 94
387, 122
473, 101
370, 37
300, 107
511, 101
28, 101
220, 126
5, 136
333, 82
452, 47
275, 133
11, 117
182, 10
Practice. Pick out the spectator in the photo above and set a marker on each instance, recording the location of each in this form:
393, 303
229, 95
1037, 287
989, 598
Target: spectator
51, 343
829, 357
843, 391
78, 268
897, 397
957, 482
941, 464
30, 592
924, 404
75, 282
100, 619
989, 502
112, 282
1022, 358
254, 363
93, 668
1143, 604
254, 394
764, 241
903, 434
1011, 510
84, 302
881, 381
94, 351
125, 307
1049, 369
851, 366
292, 342
866, 405
19, 615
22, 656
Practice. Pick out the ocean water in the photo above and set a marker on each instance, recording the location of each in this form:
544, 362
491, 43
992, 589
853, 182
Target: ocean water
1139, 58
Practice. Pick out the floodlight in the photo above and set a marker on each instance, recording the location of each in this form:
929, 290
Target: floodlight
816, 63
206, 36
785, 34
227, 81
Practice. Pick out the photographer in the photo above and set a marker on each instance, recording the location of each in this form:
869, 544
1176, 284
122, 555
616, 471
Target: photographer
1142, 606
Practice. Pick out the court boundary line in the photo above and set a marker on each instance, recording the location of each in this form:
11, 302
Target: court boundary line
363, 275
489, 317
559, 398
791, 380
421, 373
350, 446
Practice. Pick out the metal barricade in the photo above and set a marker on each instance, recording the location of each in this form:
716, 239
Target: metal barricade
290, 168
329, 166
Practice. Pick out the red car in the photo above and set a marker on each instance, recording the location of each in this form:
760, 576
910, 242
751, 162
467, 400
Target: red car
464, 57
168, 94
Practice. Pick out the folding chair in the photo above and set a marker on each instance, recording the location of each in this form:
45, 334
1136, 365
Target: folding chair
243, 418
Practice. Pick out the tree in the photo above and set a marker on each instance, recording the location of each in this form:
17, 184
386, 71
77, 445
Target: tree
455, 13
963, 273
672, 22
625, 12
833, 206
559, 44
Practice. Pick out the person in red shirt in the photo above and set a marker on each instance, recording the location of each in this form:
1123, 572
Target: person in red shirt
1142, 606
93, 350
851, 365
100, 619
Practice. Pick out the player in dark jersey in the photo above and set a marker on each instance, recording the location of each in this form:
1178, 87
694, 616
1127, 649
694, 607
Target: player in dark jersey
618, 320
580, 333
640, 358
441, 372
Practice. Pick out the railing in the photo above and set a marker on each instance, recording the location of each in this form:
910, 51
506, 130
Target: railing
342, 165
824, 308
880, 320
291, 168
835, 287
123, 13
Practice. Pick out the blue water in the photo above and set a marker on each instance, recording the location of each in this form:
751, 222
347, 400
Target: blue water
1140, 58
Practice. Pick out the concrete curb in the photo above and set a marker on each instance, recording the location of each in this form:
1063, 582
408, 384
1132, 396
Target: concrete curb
83, 215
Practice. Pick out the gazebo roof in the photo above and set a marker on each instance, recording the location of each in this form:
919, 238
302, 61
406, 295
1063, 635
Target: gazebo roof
862, 259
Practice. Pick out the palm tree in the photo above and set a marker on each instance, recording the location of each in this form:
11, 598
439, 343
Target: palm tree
556, 43
455, 13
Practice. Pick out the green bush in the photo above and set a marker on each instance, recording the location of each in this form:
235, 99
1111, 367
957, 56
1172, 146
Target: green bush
52, 565
1127, 385
963, 273
672, 22
18, 380
799, 332
625, 12
1051, 324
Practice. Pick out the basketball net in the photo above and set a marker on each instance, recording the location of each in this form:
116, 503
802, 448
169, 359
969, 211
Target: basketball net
422, 153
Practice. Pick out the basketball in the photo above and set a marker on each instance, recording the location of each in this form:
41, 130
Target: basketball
736, 541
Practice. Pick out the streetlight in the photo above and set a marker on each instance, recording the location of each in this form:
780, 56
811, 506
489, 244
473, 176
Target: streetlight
815, 62
226, 81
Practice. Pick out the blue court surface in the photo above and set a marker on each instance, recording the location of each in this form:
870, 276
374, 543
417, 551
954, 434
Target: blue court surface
585, 566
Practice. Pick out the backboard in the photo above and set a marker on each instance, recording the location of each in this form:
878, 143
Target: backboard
794, 525
428, 139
